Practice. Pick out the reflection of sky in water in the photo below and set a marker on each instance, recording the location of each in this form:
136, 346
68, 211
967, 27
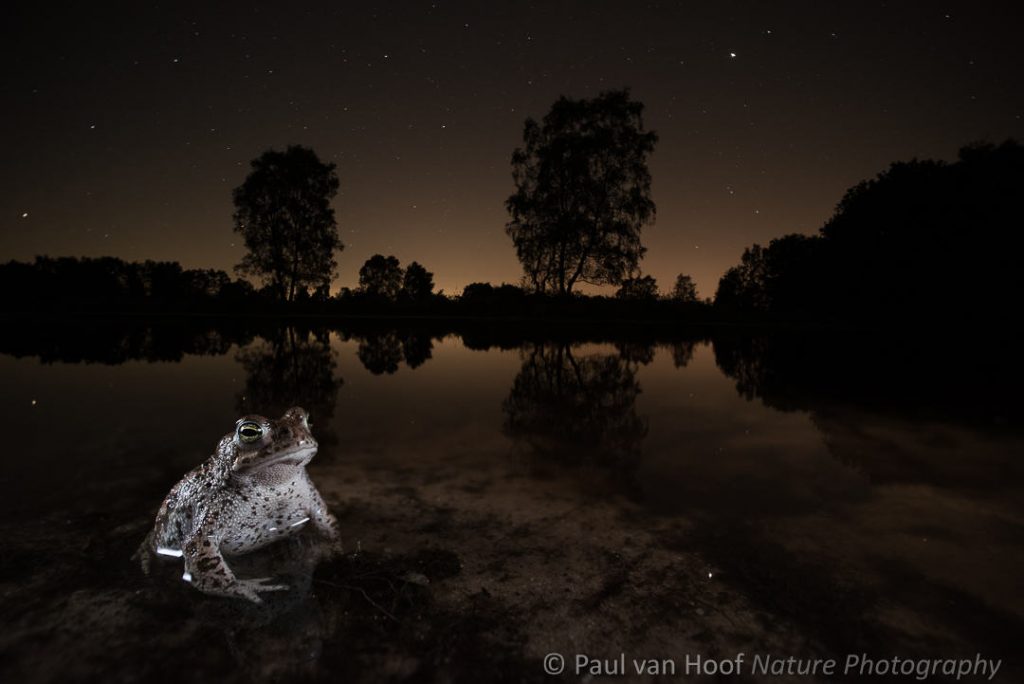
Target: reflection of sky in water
863, 499
710, 451
457, 394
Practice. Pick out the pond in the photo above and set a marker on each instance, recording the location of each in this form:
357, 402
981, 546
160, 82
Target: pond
504, 494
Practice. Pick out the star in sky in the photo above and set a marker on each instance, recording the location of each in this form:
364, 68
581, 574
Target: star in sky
442, 107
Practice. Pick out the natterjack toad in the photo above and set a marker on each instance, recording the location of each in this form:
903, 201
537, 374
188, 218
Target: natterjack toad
254, 490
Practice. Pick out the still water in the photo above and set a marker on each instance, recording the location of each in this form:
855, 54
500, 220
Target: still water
504, 496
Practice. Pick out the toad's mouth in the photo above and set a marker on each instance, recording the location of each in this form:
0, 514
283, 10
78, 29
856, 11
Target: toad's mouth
290, 457
299, 455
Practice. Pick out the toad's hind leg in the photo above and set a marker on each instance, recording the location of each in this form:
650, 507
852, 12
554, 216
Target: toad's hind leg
144, 554
206, 569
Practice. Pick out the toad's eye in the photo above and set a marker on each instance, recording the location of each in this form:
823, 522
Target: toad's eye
250, 432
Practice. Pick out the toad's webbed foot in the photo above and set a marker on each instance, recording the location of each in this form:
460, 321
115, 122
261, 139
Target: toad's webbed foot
250, 588
206, 570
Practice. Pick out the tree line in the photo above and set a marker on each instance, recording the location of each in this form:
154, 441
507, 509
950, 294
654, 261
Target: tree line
72, 283
924, 238
112, 285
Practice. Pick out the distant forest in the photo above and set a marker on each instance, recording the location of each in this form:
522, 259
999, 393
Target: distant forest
112, 285
923, 240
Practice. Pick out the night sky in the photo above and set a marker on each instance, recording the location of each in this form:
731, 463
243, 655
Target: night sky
125, 131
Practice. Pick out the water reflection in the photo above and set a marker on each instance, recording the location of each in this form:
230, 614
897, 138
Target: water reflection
291, 367
682, 352
636, 352
117, 341
921, 513
893, 409
807, 495
416, 348
577, 409
912, 376
283, 638
381, 352
367, 601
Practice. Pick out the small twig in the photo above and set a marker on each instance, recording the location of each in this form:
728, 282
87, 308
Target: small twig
715, 609
365, 596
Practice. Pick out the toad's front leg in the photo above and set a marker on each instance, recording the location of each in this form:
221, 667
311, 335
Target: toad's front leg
323, 520
206, 569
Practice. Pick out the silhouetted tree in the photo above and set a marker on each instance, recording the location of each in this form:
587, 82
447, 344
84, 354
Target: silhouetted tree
638, 289
161, 280
322, 293
381, 276
484, 297
237, 292
418, 283
477, 291
685, 289
271, 292
205, 283
742, 286
923, 239
582, 193
283, 212
786, 276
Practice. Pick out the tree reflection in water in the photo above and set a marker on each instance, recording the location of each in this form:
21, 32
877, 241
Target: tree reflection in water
576, 410
291, 367
417, 349
382, 353
895, 409
635, 352
682, 353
